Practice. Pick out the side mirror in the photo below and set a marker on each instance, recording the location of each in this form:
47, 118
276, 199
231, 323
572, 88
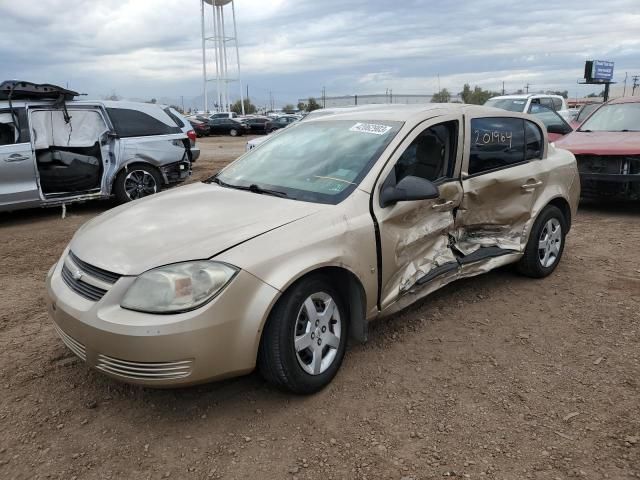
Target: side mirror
560, 129
407, 189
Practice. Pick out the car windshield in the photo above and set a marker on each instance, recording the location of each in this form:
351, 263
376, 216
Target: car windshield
616, 117
586, 111
320, 161
510, 104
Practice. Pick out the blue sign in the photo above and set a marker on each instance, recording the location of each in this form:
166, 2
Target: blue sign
602, 70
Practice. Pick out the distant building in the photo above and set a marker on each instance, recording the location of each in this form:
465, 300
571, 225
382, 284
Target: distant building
351, 100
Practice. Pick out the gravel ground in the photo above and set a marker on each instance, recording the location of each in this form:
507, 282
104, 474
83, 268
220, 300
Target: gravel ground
496, 377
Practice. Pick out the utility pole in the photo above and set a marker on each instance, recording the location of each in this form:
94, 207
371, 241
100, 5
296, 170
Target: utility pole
324, 98
635, 79
624, 91
439, 84
503, 87
182, 102
527, 87
391, 95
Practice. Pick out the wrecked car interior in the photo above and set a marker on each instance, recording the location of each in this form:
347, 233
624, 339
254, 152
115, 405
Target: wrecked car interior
68, 156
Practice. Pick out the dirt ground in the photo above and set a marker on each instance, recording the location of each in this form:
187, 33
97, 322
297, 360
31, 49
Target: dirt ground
497, 377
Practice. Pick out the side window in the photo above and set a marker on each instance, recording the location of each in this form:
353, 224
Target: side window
13, 127
534, 141
547, 102
496, 142
432, 155
133, 123
557, 104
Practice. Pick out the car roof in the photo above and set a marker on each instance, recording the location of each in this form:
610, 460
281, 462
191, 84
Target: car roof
526, 95
402, 113
70, 103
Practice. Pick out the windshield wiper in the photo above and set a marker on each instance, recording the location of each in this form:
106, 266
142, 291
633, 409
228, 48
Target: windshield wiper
257, 189
254, 188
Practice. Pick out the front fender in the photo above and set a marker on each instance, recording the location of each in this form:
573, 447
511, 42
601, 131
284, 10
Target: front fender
336, 236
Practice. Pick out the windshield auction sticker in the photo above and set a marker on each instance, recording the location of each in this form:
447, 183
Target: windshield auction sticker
370, 128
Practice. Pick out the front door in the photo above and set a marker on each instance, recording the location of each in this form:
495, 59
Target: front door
502, 175
415, 235
18, 181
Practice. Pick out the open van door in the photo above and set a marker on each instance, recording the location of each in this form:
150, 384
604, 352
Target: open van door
19, 186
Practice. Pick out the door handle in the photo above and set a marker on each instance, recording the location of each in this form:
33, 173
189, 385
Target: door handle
529, 186
16, 157
443, 205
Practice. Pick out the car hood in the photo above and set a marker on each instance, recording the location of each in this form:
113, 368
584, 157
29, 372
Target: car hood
601, 143
187, 223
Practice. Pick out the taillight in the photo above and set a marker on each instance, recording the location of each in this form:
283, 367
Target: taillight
192, 135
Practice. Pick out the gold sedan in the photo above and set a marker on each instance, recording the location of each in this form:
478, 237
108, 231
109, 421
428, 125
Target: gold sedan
277, 260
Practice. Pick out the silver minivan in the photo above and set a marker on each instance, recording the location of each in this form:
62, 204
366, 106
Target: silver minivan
56, 150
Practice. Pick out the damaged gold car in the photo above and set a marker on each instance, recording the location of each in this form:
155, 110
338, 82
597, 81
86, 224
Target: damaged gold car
292, 249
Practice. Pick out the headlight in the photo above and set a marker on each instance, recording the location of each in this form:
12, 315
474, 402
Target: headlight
178, 287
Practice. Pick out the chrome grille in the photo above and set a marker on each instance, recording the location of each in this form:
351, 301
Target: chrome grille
95, 272
86, 280
144, 370
73, 345
84, 289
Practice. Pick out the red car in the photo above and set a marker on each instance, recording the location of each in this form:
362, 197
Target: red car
607, 148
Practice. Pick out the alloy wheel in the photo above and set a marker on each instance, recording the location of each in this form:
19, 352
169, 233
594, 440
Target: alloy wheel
550, 242
139, 183
317, 333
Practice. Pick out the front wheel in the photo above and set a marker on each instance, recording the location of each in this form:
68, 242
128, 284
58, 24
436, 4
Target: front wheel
136, 182
305, 337
546, 244
233, 132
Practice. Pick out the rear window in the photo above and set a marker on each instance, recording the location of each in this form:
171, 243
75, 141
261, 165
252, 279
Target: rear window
133, 123
509, 104
174, 116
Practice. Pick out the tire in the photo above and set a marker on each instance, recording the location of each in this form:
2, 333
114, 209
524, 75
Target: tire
147, 175
233, 132
546, 244
295, 368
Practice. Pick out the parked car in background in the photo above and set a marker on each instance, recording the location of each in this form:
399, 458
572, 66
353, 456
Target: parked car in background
56, 150
607, 148
223, 115
258, 124
583, 113
523, 102
298, 244
556, 126
283, 121
201, 128
226, 126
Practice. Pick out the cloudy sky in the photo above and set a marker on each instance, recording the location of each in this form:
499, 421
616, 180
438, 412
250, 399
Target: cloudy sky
151, 48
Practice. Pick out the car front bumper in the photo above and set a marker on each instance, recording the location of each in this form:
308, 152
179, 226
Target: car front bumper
623, 186
215, 341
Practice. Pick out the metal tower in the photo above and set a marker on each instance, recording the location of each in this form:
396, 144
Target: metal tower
215, 42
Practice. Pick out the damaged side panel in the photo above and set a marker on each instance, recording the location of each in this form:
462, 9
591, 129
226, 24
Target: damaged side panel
496, 208
415, 241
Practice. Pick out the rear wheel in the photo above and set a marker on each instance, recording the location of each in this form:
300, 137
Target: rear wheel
305, 338
136, 182
546, 244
